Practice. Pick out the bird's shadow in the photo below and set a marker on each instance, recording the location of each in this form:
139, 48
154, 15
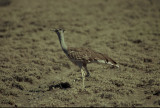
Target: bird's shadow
61, 85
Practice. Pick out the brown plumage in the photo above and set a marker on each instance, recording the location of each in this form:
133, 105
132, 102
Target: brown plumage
82, 56
86, 56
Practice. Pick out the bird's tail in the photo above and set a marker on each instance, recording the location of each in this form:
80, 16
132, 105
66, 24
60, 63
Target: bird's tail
102, 58
110, 61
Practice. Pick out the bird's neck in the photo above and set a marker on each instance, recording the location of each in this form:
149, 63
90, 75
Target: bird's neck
62, 42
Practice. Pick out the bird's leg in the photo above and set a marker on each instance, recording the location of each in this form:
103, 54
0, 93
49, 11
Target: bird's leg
83, 77
80, 67
88, 74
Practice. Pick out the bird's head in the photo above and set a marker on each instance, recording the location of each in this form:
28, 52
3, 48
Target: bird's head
58, 31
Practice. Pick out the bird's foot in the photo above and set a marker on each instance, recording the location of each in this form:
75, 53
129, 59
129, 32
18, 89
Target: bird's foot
78, 79
87, 75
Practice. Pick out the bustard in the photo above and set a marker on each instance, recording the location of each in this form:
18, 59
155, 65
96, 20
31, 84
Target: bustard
82, 56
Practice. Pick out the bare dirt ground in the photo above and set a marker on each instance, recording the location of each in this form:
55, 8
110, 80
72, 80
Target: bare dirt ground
34, 71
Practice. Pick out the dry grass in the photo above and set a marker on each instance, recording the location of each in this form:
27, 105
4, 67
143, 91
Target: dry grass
35, 72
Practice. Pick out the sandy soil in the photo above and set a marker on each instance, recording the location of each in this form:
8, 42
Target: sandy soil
34, 71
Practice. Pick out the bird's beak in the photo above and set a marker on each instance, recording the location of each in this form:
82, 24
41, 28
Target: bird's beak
52, 30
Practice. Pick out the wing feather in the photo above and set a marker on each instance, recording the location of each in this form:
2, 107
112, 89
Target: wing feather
88, 56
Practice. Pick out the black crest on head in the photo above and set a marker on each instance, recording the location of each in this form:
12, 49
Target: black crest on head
61, 29
57, 30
